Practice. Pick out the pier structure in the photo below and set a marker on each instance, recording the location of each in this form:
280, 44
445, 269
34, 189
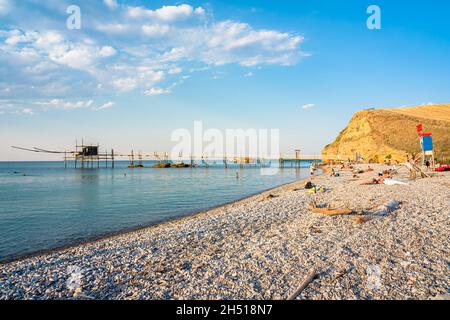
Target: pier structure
84, 156
88, 156
293, 161
132, 164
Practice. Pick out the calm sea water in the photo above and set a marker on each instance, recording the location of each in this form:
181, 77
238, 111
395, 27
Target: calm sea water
44, 206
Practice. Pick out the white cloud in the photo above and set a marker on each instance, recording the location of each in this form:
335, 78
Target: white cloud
77, 105
113, 28
32, 108
170, 13
66, 105
308, 106
5, 7
233, 42
199, 11
45, 63
35, 107
47, 39
249, 74
107, 51
155, 30
51, 45
157, 91
174, 70
135, 77
125, 84
107, 105
112, 4
15, 37
28, 111
175, 54
77, 58
166, 13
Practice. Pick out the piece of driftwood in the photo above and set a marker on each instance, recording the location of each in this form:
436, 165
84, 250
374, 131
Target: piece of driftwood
415, 169
329, 211
268, 197
308, 279
387, 208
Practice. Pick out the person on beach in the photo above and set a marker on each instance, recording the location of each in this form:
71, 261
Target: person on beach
334, 173
312, 169
375, 181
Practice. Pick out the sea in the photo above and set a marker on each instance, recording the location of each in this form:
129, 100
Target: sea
45, 206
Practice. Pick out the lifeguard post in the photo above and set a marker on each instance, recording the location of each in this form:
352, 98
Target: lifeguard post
426, 143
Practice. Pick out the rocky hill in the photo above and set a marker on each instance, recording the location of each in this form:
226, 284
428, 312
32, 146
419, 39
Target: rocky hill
391, 133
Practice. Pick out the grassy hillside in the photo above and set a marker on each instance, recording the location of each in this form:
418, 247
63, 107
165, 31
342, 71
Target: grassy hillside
440, 112
391, 133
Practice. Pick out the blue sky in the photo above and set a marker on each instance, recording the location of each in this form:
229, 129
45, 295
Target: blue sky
137, 70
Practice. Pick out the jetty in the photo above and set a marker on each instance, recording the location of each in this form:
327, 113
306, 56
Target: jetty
88, 156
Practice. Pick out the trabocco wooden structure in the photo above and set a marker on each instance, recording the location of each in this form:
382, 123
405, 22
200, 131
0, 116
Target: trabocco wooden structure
89, 156
83, 157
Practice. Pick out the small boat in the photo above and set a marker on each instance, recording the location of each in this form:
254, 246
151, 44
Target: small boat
443, 167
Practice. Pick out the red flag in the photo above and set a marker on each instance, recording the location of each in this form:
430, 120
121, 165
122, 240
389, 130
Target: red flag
420, 128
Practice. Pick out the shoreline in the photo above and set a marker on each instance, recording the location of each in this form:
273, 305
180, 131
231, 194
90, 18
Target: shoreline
111, 236
262, 246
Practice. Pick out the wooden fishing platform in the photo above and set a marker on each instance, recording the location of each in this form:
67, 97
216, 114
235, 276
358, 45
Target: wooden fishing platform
88, 156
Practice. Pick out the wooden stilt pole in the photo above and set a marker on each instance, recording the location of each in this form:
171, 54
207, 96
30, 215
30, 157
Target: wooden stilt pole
98, 156
112, 157
76, 153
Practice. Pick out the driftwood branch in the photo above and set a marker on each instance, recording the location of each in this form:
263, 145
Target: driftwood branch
313, 208
416, 169
308, 279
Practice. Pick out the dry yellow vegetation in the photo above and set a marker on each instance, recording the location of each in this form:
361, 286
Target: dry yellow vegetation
391, 133
440, 112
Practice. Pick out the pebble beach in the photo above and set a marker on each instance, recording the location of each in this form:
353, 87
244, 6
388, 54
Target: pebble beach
263, 246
